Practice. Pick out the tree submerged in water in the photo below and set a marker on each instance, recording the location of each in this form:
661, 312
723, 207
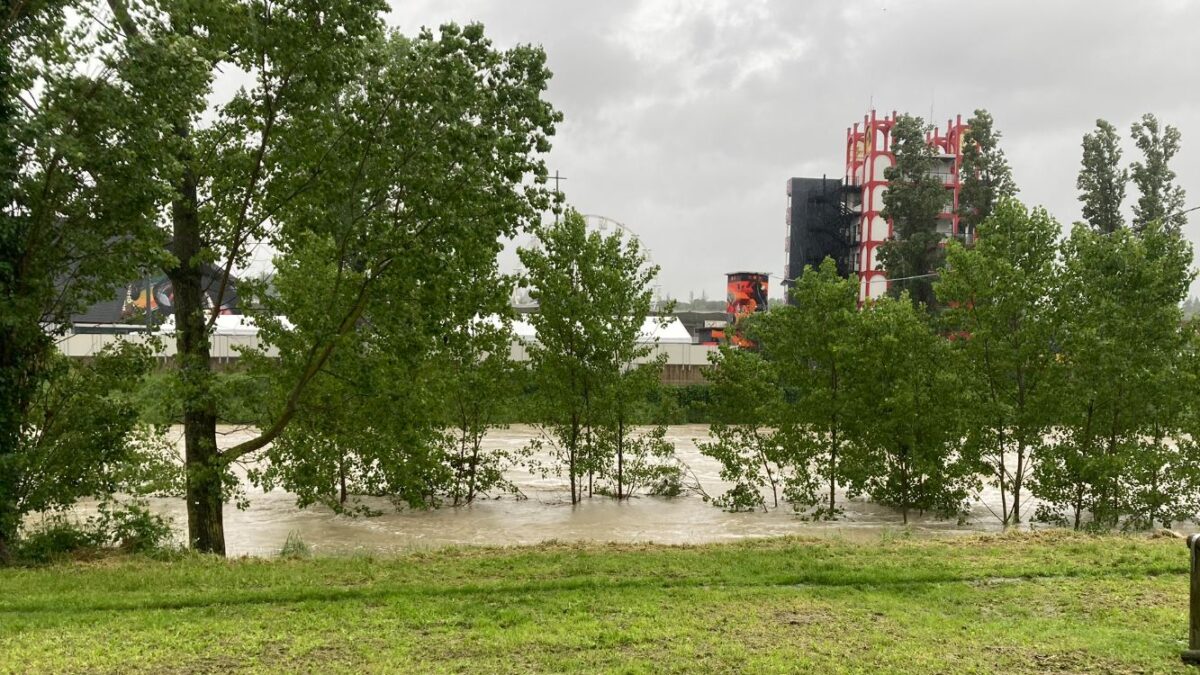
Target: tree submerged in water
591, 363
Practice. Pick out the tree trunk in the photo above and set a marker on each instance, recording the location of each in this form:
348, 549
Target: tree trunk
620, 458
204, 465
206, 522
1017, 480
1001, 472
472, 480
572, 451
833, 457
24, 346
342, 495
1078, 505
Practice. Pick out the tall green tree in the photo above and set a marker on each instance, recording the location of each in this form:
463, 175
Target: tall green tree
999, 298
594, 295
814, 346
395, 158
913, 425
986, 175
400, 241
1102, 179
1160, 199
913, 201
1120, 342
83, 167
1164, 477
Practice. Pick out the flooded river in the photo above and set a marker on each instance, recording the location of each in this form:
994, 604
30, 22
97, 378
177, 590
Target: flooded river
548, 514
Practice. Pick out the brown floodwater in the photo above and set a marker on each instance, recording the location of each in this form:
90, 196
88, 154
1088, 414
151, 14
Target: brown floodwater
548, 514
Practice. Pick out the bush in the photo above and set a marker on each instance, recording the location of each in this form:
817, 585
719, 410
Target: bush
132, 528
57, 539
124, 528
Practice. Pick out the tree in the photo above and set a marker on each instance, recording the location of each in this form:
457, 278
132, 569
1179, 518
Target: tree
913, 425
1164, 476
633, 458
83, 439
814, 347
477, 378
913, 202
999, 298
746, 439
594, 294
1101, 179
82, 164
393, 158
986, 176
1120, 343
1161, 200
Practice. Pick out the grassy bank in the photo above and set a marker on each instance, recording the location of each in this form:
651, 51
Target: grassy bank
1018, 603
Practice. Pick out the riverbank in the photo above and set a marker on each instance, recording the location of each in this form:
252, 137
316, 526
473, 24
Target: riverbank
1050, 601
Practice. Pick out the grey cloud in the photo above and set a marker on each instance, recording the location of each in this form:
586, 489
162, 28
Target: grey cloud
684, 119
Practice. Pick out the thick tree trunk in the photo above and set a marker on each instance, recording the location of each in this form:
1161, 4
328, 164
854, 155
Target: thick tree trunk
205, 506
203, 463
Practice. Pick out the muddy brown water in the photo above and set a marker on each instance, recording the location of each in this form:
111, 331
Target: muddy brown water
547, 514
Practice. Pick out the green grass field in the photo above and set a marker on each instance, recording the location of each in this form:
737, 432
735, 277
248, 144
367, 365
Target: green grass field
1048, 602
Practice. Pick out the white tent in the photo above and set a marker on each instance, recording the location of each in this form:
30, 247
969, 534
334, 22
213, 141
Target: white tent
673, 333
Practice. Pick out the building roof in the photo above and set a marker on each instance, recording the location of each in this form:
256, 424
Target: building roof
673, 332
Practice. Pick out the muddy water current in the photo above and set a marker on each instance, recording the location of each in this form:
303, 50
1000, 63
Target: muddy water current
548, 514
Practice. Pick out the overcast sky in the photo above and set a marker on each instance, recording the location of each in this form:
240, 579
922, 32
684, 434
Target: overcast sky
685, 118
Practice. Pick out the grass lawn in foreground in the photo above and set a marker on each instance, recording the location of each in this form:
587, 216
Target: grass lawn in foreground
1018, 603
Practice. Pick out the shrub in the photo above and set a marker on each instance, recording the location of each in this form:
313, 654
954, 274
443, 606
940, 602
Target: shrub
125, 528
132, 528
57, 539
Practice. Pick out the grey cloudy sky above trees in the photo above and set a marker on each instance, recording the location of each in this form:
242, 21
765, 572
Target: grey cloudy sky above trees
684, 118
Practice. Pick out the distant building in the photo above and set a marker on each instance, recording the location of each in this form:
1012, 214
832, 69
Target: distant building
851, 230
819, 225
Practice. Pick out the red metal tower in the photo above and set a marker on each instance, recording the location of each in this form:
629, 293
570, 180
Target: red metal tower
868, 156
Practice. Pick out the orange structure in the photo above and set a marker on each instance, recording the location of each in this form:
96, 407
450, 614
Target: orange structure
746, 293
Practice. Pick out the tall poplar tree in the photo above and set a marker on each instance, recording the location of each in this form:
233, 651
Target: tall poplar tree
1160, 198
914, 199
1120, 339
986, 175
1101, 179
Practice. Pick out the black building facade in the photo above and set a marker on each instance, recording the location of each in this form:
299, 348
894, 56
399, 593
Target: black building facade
820, 225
